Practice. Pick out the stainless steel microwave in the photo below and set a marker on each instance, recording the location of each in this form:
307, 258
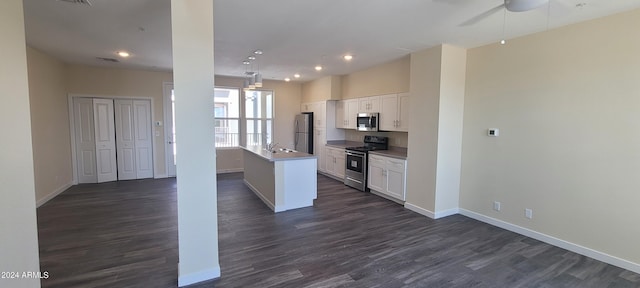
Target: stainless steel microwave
367, 122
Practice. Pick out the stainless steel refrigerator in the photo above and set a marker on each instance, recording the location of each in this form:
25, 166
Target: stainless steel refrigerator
303, 137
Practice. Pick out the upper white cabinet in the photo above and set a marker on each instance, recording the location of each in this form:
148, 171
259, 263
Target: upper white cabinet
387, 176
393, 109
394, 114
346, 113
369, 104
324, 128
319, 112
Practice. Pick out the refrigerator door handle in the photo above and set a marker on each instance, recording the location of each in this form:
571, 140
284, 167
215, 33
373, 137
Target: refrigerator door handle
295, 134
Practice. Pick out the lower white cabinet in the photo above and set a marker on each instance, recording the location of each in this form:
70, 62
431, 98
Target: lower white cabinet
387, 176
335, 162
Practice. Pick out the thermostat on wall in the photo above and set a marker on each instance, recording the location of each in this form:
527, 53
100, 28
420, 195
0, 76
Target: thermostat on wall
493, 132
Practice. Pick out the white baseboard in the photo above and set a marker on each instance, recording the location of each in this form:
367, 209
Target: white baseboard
430, 214
419, 210
445, 213
235, 170
265, 200
209, 274
386, 196
159, 176
613, 260
53, 194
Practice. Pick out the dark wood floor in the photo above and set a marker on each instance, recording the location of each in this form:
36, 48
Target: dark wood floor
124, 234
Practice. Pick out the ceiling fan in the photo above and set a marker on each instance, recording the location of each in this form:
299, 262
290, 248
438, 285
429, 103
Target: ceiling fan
509, 5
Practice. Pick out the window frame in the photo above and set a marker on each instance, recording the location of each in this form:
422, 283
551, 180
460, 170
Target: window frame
243, 119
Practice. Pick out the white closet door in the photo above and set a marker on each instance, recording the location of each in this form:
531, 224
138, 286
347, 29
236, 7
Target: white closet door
143, 138
105, 140
125, 140
85, 140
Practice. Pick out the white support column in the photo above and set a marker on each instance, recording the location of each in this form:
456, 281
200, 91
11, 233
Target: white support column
192, 31
18, 226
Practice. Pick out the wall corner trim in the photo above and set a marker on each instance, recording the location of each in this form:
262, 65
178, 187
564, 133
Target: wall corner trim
419, 210
53, 194
197, 277
446, 213
613, 260
266, 201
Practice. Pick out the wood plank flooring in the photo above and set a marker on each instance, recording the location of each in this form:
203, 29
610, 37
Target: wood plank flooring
124, 234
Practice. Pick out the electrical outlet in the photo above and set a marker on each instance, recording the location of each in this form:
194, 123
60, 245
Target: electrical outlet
528, 213
496, 205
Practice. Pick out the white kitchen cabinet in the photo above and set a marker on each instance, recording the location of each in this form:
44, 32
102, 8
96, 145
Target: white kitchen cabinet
324, 128
319, 141
369, 104
387, 176
376, 173
335, 162
346, 113
394, 114
319, 112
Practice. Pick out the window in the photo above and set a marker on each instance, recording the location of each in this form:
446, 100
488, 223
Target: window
227, 117
259, 117
253, 115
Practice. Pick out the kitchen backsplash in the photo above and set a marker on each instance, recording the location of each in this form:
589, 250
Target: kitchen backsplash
397, 139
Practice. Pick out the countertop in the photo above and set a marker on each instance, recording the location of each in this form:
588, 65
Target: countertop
343, 144
278, 155
395, 152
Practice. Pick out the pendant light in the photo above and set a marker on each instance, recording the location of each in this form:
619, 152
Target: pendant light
245, 83
258, 77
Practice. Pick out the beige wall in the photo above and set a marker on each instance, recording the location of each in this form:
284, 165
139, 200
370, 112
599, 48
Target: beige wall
567, 103
49, 125
19, 236
322, 89
98, 81
391, 77
452, 85
423, 123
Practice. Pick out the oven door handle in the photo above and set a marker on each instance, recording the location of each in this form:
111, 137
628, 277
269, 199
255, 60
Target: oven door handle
354, 153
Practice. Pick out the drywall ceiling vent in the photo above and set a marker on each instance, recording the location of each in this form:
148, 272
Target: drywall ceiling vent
81, 2
113, 60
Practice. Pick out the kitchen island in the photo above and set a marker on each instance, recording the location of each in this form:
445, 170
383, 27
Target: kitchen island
282, 178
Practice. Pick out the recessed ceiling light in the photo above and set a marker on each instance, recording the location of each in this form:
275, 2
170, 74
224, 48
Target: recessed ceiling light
348, 57
296, 75
258, 52
123, 54
318, 68
251, 57
287, 79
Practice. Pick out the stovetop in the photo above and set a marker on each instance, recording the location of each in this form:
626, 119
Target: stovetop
364, 148
372, 143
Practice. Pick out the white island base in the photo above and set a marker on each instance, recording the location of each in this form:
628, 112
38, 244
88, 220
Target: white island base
283, 181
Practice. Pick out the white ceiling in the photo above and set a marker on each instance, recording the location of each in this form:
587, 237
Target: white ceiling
295, 35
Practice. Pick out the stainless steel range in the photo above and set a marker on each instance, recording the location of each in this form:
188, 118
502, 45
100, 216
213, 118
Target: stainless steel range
357, 158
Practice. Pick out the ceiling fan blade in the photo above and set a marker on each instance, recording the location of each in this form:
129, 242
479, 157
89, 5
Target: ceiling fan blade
483, 15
